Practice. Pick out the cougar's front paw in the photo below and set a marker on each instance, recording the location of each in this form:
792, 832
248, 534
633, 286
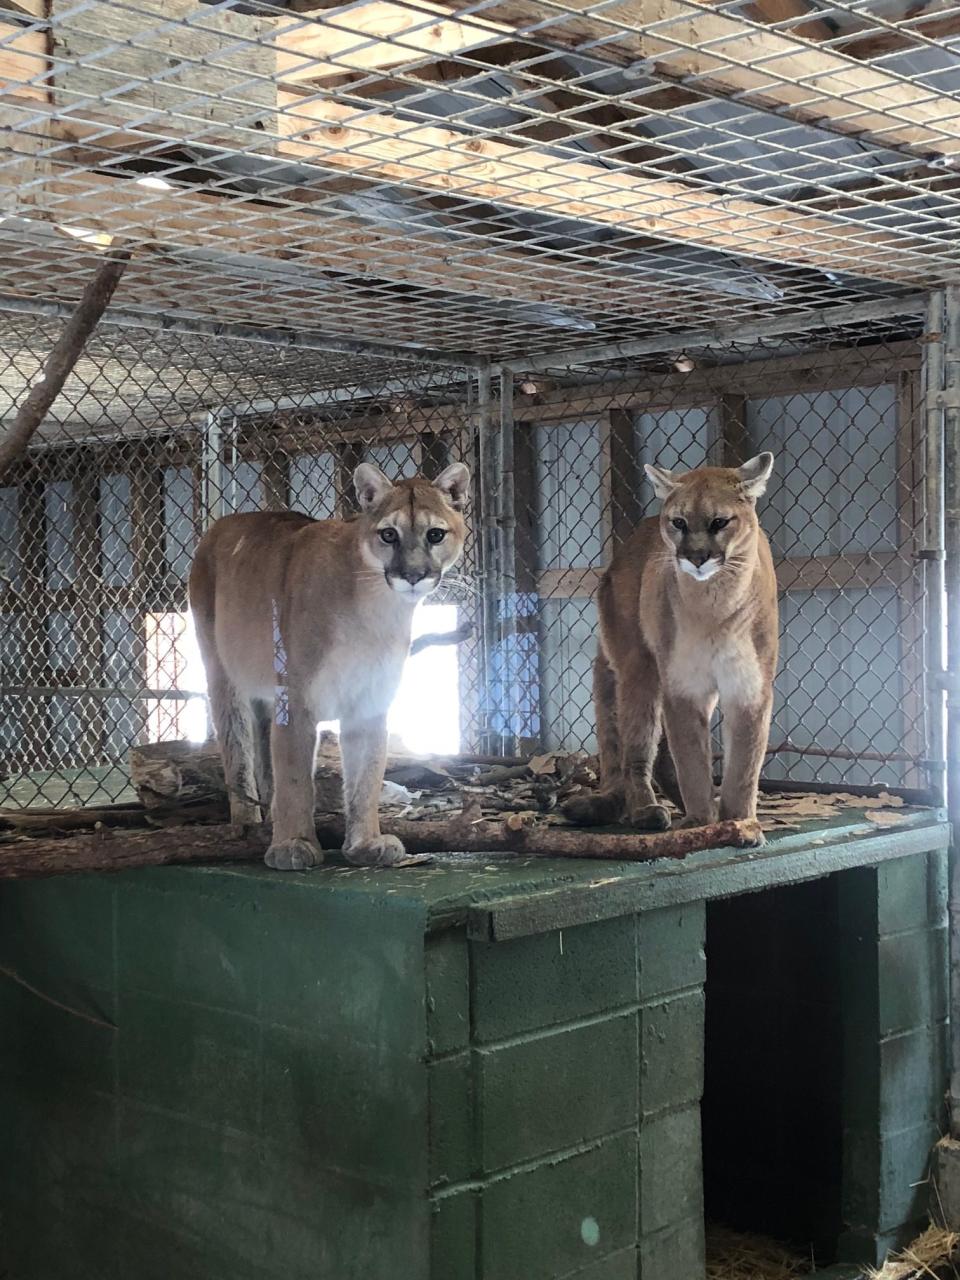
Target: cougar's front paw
650, 817
293, 855
383, 851
593, 809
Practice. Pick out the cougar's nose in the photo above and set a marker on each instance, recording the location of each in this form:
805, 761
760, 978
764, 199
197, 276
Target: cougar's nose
413, 576
698, 558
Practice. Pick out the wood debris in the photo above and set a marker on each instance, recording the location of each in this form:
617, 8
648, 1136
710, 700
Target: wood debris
463, 803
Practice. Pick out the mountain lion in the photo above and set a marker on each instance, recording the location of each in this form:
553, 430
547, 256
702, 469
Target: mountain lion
688, 614
304, 620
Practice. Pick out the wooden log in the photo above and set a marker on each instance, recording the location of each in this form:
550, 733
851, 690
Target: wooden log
109, 851
165, 773
105, 851
178, 774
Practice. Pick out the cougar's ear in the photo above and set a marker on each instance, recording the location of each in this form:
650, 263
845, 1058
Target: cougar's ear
371, 484
454, 484
664, 482
754, 474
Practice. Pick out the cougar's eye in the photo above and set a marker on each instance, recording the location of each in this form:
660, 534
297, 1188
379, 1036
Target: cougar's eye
436, 535
679, 524
721, 522
389, 536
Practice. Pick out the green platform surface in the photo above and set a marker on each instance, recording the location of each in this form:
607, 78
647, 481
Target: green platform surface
498, 896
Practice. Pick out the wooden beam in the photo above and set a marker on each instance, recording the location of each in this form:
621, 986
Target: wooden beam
35, 9
731, 55
878, 44
777, 11
795, 573
465, 165
812, 371
40, 178
23, 56
379, 34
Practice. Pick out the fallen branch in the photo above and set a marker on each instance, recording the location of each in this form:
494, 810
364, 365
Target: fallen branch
106, 850
539, 840
63, 357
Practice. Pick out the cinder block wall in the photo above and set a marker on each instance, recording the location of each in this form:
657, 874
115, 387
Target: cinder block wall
247, 1075
572, 1065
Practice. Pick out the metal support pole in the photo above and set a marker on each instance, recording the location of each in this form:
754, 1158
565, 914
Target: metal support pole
951, 477
211, 486
507, 520
931, 552
487, 433
296, 339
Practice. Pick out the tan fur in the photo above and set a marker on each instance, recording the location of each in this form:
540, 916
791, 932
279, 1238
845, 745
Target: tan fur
672, 645
301, 621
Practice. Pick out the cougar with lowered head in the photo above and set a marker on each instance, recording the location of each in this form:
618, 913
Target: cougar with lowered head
303, 620
688, 615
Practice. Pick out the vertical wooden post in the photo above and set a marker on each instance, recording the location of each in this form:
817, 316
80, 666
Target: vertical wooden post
623, 475
88, 613
35, 668
734, 443
150, 593
276, 481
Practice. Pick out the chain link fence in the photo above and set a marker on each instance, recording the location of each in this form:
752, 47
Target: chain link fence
158, 433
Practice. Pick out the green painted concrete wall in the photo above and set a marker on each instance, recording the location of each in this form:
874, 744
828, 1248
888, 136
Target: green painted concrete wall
304, 1078
572, 1063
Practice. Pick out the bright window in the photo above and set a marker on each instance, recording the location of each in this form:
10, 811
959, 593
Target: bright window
173, 664
425, 714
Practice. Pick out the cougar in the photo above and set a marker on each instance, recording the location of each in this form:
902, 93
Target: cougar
688, 614
303, 620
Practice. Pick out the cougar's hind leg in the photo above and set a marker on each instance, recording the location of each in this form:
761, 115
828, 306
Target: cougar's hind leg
233, 721
606, 805
262, 758
639, 706
293, 740
665, 772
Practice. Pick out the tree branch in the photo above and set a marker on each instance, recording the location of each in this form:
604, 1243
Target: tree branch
60, 363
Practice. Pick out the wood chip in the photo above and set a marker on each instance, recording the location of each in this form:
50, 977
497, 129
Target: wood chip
885, 818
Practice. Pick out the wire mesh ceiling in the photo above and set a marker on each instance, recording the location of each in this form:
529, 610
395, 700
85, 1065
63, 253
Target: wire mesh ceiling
506, 177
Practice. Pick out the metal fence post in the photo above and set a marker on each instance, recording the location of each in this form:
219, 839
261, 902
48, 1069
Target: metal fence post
507, 521
211, 489
487, 433
951, 475
932, 552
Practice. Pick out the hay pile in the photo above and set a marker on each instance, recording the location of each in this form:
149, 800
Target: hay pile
935, 1255
732, 1255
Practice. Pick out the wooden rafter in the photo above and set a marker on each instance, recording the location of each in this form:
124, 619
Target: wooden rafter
784, 68
332, 133
187, 218
379, 34
775, 68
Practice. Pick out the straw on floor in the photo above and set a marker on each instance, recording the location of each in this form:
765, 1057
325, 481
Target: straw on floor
733, 1255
